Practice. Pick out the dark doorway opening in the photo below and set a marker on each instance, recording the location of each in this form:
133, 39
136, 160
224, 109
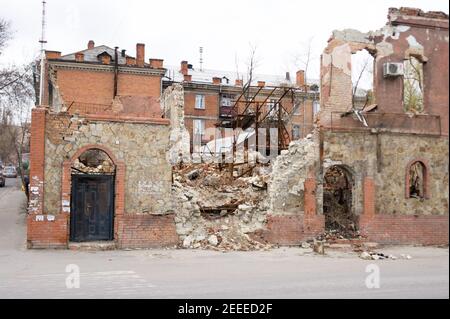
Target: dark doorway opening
337, 202
92, 207
92, 197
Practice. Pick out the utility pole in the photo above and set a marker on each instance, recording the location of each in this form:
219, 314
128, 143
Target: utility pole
42, 41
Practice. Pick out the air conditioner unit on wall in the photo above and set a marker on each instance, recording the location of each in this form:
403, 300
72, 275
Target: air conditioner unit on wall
392, 69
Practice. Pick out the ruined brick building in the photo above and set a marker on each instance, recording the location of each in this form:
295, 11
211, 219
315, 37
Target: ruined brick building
101, 143
98, 148
382, 170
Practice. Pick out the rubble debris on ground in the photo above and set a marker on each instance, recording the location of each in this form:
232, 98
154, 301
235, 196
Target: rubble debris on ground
370, 255
334, 235
319, 247
218, 211
337, 201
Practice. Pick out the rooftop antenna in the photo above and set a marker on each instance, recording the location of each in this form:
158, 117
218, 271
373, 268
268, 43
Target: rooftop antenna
201, 58
42, 41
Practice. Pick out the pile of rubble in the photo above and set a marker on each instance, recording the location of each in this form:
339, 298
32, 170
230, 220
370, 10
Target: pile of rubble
105, 167
218, 211
370, 255
335, 235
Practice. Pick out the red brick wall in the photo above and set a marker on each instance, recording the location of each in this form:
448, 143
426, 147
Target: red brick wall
292, 229
98, 87
45, 233
406, 229
400, 229
211, 104
37, 153
146, 231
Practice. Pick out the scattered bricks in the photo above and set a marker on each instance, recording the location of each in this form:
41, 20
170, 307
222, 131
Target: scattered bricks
319, 247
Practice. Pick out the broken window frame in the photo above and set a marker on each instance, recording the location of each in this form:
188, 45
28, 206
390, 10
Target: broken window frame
296, 129
413, 79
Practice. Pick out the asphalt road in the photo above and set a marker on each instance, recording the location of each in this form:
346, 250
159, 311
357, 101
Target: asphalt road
279, 273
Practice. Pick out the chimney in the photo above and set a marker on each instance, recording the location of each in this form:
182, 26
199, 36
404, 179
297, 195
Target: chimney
216, 80
288, 77
91, 44
140, 54
239, 82
262, 83
123, 53
300, 78
187, 78
79, 57
156, 63
184, 67
52, 54
130, 60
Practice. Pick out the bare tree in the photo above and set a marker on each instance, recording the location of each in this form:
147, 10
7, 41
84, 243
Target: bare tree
5, 33
16, 99
252, 64
303, 59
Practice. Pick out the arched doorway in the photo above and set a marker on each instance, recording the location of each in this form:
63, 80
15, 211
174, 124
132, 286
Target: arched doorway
92, 197
337, 201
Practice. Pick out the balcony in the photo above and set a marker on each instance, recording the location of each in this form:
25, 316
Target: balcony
226, 112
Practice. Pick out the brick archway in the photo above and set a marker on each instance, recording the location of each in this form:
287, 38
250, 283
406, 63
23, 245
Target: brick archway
119, 187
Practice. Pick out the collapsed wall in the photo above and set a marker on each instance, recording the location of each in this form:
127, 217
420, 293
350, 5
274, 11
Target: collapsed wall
172, 104
217, 211
245, 206
289, 173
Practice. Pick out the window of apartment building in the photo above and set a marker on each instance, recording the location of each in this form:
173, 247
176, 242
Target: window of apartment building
272, 107
200, 101
316, 107
297, 107
226, 100
295, 132
413, 85
199, 127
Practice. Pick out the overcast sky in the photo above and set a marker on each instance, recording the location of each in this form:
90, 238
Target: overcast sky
174, 30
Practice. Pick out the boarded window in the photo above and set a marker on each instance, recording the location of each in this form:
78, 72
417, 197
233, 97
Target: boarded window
413, 85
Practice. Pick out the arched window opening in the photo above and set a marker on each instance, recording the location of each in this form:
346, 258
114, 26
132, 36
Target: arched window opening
337, 202
93, 161
417, 178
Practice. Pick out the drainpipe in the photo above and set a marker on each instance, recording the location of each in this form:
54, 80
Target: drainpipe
116, 71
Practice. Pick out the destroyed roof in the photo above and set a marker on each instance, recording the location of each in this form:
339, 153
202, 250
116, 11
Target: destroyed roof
224, 145
91, 55
206, 75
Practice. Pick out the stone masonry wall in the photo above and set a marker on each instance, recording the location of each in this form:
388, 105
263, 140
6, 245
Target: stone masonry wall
358, 152
142, 146
289, 172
